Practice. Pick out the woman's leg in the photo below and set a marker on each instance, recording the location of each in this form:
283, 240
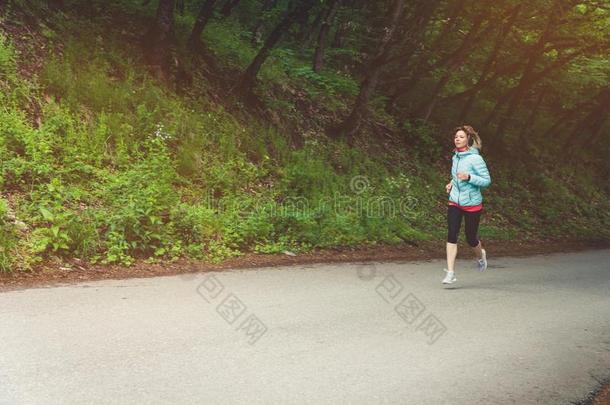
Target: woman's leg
454, 220
471, 228
478, 250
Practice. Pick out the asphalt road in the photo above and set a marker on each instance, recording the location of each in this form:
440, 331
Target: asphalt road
529, 330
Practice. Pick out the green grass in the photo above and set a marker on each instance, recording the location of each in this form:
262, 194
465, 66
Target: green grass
123, 168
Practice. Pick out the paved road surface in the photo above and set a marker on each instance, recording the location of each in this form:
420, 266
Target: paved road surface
529, 330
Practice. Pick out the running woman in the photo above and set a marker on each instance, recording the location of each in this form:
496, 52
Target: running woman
469, 175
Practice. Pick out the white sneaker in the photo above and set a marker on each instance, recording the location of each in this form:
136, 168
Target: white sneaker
482, 263
450, 277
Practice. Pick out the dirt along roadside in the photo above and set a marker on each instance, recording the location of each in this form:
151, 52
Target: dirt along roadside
73, 270
601, 396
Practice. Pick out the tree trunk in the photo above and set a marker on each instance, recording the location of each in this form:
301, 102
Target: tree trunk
351, 124
422, 65
502, 35
338, 38
531, 119
592, 124
308, 31
472, 38
318, 59
412, 39
205, 13
416, 26
513, 96
451, 22
568, 116
454, 59
248, 78
257, 33
228, 7
56, 4
337, 41
159, 38
525, 81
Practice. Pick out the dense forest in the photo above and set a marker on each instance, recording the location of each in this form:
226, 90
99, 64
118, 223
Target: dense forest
153, 130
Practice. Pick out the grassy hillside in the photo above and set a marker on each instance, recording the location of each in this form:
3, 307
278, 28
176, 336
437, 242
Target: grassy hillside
102, 162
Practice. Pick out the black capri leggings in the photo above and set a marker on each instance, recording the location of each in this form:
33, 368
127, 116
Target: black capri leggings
454, 220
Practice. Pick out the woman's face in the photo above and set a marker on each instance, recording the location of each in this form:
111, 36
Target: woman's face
460, 139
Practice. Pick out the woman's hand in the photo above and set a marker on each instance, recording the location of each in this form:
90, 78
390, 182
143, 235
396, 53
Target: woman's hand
448, 187
463, 176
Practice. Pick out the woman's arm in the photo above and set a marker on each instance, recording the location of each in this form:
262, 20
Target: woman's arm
480, 177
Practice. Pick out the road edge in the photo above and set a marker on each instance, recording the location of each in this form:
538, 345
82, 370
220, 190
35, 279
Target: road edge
598, 396
72, 271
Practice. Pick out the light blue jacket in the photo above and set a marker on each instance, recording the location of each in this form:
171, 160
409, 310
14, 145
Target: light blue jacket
468, 192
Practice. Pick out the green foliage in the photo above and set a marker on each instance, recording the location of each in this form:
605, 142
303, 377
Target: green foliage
7, 58
104, 163
328, 87
139, 200
8, 240
424, 139
227, 42
13, 91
